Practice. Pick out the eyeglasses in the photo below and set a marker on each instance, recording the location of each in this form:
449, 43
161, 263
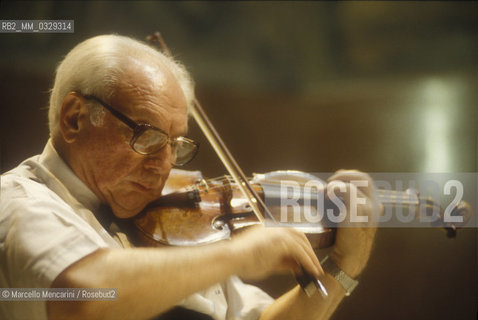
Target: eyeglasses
148, 139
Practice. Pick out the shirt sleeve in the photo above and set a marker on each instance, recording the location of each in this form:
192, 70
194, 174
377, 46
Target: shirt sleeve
245, 301
40, 236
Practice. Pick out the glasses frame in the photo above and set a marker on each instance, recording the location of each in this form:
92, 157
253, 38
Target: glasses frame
139, 128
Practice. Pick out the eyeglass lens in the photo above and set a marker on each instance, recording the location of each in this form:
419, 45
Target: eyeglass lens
152, 140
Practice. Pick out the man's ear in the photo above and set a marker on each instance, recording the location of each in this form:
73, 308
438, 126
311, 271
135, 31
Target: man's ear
73, 113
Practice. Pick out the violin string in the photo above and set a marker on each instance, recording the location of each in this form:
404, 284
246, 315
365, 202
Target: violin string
384, 196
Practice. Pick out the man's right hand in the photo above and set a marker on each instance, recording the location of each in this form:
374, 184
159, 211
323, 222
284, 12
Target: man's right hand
264, 251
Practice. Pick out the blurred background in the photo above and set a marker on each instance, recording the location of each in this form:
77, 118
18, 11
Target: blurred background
314, 86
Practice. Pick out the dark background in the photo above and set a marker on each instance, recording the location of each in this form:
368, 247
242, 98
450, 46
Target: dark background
313, 86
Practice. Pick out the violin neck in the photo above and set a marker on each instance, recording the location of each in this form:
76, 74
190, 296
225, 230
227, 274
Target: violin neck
408, 197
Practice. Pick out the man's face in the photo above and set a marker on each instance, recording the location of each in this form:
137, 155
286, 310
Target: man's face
120, 177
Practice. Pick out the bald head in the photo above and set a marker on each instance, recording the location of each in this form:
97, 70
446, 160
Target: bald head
97, 66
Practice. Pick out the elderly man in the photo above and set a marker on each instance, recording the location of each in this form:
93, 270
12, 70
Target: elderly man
118, 114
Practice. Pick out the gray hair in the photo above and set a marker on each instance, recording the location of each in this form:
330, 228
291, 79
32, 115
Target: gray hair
96, 66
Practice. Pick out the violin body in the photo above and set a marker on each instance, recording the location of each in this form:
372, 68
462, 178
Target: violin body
196, 211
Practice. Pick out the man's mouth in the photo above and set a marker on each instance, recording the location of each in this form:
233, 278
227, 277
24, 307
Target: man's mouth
143, 186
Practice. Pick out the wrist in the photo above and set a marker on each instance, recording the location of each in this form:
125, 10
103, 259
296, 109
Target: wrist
239, 259
351, 266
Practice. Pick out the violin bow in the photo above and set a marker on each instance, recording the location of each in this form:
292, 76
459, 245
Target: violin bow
308, 283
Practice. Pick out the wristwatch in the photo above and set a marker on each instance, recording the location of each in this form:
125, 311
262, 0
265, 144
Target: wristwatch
344, 279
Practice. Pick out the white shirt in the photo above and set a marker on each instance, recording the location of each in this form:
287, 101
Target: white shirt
47, 223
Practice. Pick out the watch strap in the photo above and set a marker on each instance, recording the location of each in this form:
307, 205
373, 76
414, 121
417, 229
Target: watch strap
344, 279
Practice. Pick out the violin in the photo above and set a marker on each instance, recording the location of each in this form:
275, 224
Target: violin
197, 211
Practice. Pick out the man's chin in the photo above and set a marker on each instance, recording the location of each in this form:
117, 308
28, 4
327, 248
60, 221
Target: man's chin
129, 204
125, 212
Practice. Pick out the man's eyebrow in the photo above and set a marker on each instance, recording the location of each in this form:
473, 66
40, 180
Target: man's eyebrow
142, 117
182, 133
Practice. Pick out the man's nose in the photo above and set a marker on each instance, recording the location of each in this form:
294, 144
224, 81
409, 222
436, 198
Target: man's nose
160, 161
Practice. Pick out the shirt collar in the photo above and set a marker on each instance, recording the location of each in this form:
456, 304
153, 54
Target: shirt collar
60, 169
